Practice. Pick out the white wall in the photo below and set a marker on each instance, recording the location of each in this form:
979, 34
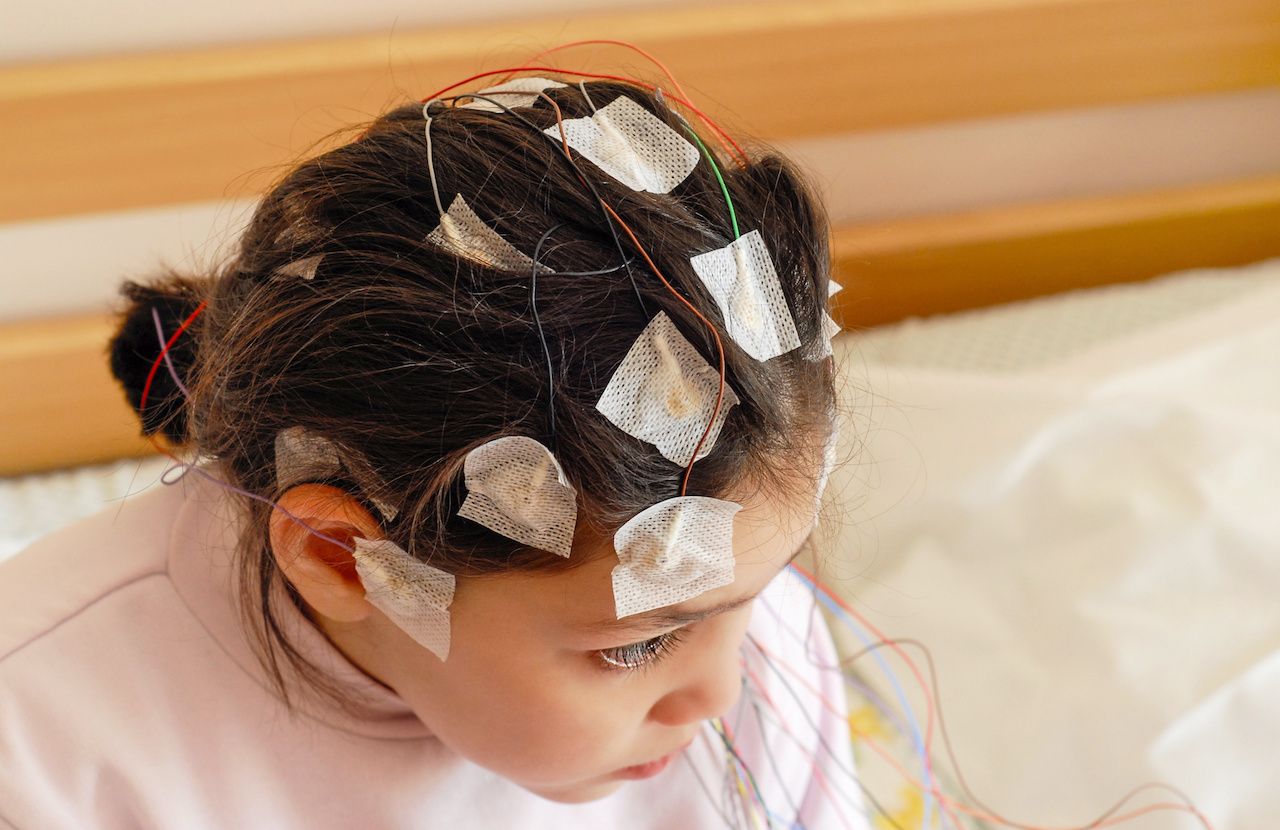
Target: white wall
51, 29
74, 265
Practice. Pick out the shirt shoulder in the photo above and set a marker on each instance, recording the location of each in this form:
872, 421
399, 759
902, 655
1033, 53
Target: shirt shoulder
59, 576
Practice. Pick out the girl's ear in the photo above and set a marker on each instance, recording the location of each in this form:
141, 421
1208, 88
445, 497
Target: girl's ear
323, 572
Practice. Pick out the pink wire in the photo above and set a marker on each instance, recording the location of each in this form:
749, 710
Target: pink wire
168, 362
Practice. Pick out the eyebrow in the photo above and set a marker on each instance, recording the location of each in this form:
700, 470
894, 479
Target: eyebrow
668, 618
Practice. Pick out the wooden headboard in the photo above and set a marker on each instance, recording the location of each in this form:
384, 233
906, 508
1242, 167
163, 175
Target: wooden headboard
166, 129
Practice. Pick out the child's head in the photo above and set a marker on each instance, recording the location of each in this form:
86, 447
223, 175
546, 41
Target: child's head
341, 317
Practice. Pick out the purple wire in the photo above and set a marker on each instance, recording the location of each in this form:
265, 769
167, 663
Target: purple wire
173, 373
226, 485
847, 673
192, 468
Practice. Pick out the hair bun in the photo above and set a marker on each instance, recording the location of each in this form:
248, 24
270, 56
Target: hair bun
136, 345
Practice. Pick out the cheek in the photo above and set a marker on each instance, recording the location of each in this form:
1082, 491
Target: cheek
538, 717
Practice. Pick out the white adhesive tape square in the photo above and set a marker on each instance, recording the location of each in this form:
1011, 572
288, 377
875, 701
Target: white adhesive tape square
673, 551
830, 328
663, 392
301, 456
414, 595
465, 234
631, 144
745, 285
518, 92
516, 487
304, 268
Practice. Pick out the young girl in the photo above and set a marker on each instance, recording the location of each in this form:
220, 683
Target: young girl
511, 414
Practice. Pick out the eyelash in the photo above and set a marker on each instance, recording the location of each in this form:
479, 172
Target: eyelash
641, 655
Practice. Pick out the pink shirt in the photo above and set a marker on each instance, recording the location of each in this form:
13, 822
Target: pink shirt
130, 697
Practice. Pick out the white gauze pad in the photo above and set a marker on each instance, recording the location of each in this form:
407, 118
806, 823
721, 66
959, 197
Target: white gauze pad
830, 328
673, 551
301, 455
518, 92
414, 595
304, 268
744, 283
516, 487
631, 144
663, 392
465, 234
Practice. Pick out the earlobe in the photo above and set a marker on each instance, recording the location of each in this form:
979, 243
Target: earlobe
323, 571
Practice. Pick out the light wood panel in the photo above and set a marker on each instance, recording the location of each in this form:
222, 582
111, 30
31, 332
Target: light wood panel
933, 265
165, 128
67, 410
59, 405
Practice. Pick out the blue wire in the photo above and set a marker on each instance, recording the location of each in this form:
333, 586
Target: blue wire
893, 680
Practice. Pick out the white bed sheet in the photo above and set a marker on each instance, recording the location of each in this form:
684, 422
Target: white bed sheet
1089, 544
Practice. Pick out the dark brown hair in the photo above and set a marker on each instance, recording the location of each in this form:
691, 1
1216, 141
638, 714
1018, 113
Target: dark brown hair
406, 356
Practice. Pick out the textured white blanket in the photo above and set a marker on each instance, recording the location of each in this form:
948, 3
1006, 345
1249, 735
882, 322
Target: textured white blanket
1090, 547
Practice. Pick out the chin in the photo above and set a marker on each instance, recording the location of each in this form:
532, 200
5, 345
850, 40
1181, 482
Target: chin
577, 793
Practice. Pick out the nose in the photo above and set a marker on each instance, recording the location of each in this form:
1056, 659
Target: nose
710, 693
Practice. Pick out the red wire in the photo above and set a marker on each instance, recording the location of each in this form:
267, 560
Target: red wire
151, 376
701, 115
623, 43
684, 485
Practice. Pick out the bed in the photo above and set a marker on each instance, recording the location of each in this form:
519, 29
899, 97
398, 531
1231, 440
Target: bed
1062, 440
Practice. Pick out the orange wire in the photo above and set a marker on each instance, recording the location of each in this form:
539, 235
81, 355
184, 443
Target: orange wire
915, 670
645, 84
627, 44
958, 805
564, 142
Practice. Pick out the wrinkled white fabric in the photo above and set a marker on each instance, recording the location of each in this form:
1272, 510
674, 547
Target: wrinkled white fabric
664, 392
1089, 549
464, 233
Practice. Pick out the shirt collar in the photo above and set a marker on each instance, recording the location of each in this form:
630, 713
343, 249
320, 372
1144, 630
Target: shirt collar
203, 566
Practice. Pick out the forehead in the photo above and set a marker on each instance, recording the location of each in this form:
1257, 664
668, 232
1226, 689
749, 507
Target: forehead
766, 532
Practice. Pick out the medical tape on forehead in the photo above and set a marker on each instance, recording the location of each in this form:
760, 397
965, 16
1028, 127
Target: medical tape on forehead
518, 92
745, 286
465, 234
414, 595
663, 392
632, 145
516, 487
303, 456
673, 551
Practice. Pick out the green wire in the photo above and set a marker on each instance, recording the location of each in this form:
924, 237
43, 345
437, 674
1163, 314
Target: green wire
733, 217
717, 724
